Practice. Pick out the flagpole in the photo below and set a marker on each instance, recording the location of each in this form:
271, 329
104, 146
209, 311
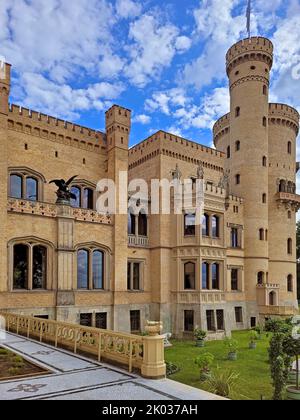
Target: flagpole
248, 15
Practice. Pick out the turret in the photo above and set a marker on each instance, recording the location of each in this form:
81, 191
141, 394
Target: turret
4, 86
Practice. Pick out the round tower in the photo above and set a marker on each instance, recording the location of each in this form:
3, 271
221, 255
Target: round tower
248, 65
283, 201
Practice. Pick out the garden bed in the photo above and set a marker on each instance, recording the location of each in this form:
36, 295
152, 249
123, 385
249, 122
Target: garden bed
13, 366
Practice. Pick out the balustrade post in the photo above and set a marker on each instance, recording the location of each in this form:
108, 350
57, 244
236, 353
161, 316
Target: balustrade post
153, 366
99, 347
28, 328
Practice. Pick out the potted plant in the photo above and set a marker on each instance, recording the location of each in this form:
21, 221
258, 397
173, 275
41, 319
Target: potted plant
291, 347
200, 336
204, 363
253, 339
232, 346
259, 331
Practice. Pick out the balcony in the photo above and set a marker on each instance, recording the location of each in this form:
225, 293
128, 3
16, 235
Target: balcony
278, 310
138, 241
288, 200
209, 297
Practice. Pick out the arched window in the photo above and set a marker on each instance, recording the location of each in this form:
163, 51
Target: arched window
265, 89
238, 179
264, 198
261, 234
76, 202
98, 270
16, 186
237, 111
290, 246
131, 224
26, 184
31, 189
90, 269
39, 267
189, 224
264, 121
189, 276
205, 225
30, 266
205, 276
264, 161
282, 186
260, 278
83, 269
143, 224
215, 276
289, 147
88, 198
228, 152
290, 283
20, 267
237, 145
215, 226
272, 299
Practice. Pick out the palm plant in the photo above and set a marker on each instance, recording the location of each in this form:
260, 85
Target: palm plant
223, 383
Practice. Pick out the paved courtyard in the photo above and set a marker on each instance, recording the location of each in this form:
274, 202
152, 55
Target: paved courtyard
73, 377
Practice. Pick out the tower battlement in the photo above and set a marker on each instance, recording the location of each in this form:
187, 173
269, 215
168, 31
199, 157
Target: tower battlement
250, 49
285, 111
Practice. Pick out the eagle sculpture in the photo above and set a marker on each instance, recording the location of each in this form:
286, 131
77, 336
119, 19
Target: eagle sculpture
64, 195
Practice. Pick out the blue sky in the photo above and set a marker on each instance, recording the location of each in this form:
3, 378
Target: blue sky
165, 60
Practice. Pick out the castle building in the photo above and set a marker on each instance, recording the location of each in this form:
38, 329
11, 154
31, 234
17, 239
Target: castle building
116, 271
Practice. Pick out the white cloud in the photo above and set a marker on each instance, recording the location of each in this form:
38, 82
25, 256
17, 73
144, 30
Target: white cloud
128, 8
142, 119
183, 43
162, 101
153, 48
62, 100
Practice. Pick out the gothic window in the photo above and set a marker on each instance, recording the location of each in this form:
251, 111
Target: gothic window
134, 275
190, 224
205, 225
237, 111
90, 269
228, 152
264, 161
238, 179
88, 198
261, 234
215, 223
30, 266
76, 202
215, 273
264, 198
260, 278
190, 276
237, 145
235, 238
143, 224
85, 195
205, 276
290, 283
26, 184
272, 299
131, 224
234, 279
290, 246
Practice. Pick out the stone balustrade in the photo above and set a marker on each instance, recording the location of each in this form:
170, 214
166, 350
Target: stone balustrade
198, 297
145, 354
278, 310
138, 241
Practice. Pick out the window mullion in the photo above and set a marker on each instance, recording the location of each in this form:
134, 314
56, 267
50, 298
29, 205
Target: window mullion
90, 279
30, 269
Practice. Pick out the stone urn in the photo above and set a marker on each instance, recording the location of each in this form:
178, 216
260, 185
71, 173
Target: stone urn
154, 328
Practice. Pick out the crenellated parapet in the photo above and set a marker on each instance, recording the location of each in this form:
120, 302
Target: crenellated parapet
250, 49
221, 128
50, 128
163, 143
284, 115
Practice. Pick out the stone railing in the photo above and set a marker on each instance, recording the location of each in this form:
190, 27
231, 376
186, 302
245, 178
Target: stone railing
277, 310
268, 286
37, 208
138, 241
145, 354
92, 216
198, 297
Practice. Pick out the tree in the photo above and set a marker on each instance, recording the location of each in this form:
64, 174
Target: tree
280, 365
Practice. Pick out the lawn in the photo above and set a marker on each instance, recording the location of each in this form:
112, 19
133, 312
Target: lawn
252, 365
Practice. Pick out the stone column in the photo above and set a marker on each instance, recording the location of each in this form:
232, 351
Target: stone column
154, 366
65, 264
